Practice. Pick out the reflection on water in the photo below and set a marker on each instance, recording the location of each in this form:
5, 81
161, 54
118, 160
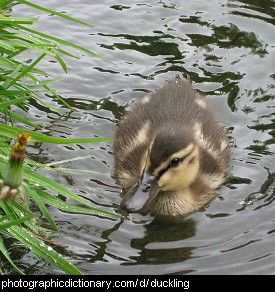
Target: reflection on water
151, 248
227, 49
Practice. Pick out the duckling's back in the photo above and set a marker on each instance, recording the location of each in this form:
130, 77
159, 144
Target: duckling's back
175, 104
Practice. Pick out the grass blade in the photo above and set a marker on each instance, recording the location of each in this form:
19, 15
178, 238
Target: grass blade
19, 208
42, 250
14, 101
61, 41
47, 88
26, 69
12, 77
42, 208
61, 62
43, 82
40, 48
12, 132
6, 254
15, 222
7, 47
19, 118
13, 64
36, 178
23, 91
64, 206
14, 20
54, 12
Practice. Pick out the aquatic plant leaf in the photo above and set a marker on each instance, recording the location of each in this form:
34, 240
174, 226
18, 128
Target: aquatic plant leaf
14, 20
18, 221
43, 82
64, 206
19, 118
7, 47
61, 62
43, 48
6, 254
43, 250
14, 101
5, 3
47, 183
11, 72
12, 77
7, 62
36, 178
26, 69
19, 208
61, 41
42, 208
12, 132
22, 91
54, 12
36, 245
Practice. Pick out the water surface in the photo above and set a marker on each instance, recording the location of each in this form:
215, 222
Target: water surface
227, 49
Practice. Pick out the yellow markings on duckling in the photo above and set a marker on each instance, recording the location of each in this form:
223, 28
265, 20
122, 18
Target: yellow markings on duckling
200, 102
181, 176
124, 178
142, 135
145, 99
212, 180
205, 144
177, 202
140, 138
198, 134
224, 145
145, 161
201, 140
184, 152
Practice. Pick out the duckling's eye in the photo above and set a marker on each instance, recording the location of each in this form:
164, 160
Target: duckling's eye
174, 162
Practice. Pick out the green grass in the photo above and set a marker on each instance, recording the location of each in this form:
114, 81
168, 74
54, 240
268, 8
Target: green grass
18, 84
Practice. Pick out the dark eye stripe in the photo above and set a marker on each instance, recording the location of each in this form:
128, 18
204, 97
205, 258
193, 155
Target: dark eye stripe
176, 163
178, 160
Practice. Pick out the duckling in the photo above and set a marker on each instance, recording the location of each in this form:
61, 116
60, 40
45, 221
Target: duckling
170, 152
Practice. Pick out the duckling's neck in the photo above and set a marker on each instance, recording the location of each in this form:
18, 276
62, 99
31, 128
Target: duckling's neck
174, 203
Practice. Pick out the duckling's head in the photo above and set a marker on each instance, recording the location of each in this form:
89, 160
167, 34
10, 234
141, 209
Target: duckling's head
170, 164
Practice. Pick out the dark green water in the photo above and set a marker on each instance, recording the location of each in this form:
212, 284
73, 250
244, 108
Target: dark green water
227, 48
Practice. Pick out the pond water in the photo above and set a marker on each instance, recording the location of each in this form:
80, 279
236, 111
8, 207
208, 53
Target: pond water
227, 48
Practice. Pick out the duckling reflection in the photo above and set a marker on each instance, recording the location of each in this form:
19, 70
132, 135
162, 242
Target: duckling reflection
170, 152
164, 244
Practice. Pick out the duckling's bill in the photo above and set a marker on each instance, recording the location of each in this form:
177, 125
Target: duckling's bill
142, 193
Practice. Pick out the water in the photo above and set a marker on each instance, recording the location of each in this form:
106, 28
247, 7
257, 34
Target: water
227, 48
